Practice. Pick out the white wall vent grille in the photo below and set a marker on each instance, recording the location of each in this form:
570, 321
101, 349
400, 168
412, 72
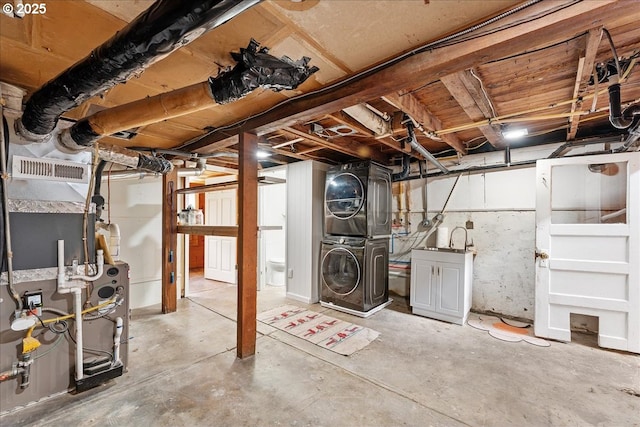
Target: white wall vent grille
50, 170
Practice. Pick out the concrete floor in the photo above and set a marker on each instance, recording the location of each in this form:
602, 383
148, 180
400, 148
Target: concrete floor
419, 372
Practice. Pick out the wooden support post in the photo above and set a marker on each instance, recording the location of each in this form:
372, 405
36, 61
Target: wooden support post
247, 244
169, 241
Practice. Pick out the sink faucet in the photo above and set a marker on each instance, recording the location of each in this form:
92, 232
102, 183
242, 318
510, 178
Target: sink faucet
465, 237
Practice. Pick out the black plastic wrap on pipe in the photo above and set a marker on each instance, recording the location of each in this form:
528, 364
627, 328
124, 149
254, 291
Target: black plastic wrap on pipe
166, 26
256, 68
154, 164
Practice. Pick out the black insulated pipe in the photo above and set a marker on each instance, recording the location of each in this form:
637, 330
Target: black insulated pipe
97, 198
406, 164
615, 109
163, 28
618, 118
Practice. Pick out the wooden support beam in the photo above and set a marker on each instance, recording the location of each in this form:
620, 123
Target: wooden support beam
343, 145
585, 68
288, 153
169, 241
429, 65
247, 244
209, 230
467, 91
211, 148
416, 109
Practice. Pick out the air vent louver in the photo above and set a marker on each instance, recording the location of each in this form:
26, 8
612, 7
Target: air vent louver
50, 170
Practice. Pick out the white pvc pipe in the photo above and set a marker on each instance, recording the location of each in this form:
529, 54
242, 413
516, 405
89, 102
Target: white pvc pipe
77, 310
114, 240
61, 278
116, 342
99, 263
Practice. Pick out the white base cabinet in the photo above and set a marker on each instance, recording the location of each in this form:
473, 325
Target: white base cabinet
441, 284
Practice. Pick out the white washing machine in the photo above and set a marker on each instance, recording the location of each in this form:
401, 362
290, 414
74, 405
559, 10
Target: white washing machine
358, 200
354, 272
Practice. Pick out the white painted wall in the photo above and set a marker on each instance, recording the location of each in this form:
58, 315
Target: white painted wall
305, 218
136, 206
502, 208
272, 199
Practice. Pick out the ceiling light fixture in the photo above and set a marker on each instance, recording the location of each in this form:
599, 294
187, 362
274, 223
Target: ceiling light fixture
262, 154
514, 133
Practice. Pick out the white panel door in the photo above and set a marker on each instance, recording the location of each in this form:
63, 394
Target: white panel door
220, 252
588, 247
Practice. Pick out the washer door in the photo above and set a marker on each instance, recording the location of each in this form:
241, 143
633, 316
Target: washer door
344, 196
341, 271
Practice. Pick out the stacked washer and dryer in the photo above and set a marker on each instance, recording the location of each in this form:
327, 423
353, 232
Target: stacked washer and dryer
354, 259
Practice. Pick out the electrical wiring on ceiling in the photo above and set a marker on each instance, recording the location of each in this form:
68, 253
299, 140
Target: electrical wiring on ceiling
426, 47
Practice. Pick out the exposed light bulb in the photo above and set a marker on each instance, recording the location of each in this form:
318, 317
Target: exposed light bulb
515, 133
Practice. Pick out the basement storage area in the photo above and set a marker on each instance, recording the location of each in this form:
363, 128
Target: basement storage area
318, 212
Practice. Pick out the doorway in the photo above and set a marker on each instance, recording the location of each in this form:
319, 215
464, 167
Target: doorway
588, 246
211, 260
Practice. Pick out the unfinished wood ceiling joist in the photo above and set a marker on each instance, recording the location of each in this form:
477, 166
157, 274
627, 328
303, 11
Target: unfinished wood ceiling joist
535, 63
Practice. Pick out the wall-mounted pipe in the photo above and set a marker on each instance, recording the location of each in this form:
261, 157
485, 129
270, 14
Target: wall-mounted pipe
160, 30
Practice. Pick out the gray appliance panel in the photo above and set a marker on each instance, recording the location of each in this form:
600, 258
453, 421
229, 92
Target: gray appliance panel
379, 201
377, 273
372, 288
358, 200
35, 239
54, 372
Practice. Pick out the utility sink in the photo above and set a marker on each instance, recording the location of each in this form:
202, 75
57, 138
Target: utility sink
450, 250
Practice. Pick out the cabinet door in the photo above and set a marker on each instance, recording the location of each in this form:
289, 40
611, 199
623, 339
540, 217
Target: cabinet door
423, 285
450, 285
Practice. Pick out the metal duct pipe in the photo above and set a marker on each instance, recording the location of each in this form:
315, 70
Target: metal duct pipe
182, 172
255, 68
632, 139
133, 159
558, 152
370, 119
163, 28
197, 171
420, 149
